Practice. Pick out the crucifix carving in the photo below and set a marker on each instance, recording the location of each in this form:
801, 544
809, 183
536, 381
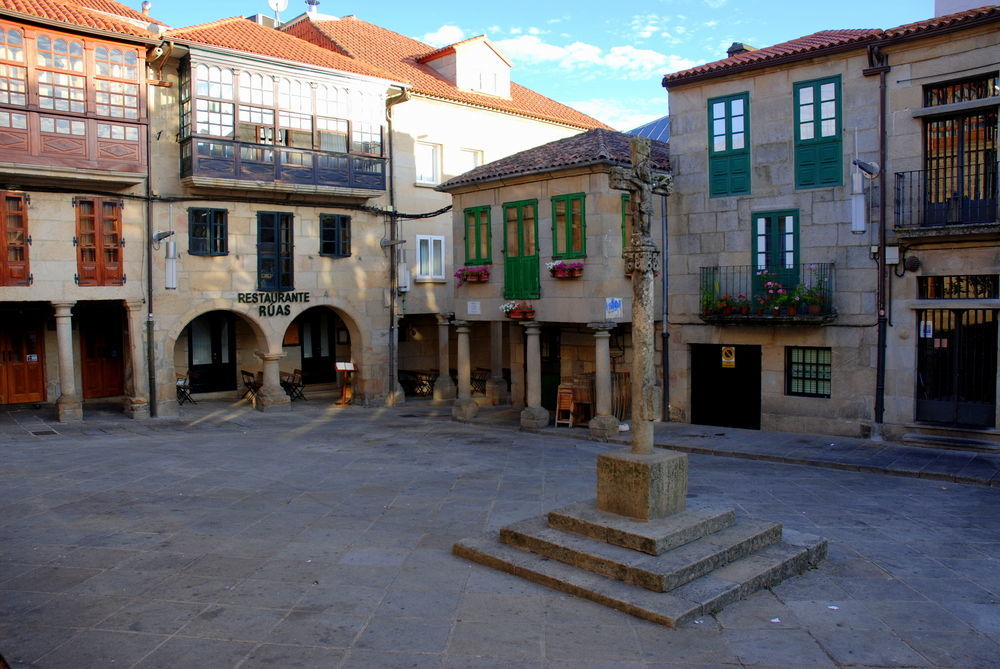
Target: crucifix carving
641, 263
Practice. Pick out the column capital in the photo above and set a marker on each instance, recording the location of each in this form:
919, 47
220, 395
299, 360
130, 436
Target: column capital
461, 326
267, 357
135, 305
63, 309
444, 319
531, 326
603, 326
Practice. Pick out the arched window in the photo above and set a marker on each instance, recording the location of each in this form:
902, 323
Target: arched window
213, 82
294, 95
256, 89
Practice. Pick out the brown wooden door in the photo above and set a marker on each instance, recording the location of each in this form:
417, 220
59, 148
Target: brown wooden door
14, 236
102, 354
22, 364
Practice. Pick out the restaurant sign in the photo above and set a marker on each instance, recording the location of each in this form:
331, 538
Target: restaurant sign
273, 304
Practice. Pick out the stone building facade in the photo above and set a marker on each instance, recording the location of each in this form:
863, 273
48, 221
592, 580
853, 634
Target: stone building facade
546, 229
236, 200
797, 186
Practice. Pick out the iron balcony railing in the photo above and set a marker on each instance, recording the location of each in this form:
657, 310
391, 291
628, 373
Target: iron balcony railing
960, 195
799, 292
223, 159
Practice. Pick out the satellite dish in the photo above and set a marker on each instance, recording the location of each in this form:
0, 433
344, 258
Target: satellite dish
278, 5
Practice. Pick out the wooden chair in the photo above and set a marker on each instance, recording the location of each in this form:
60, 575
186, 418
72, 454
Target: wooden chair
292, 383
564, 405
250, 385
184, 389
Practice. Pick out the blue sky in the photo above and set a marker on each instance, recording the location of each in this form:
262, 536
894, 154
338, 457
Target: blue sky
602, 58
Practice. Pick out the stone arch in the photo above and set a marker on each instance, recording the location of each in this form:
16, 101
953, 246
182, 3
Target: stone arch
326, 334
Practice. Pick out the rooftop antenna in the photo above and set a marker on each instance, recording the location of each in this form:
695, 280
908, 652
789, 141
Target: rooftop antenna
278, 6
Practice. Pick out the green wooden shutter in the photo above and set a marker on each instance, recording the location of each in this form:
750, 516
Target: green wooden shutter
729, 145
521, 276
818, 140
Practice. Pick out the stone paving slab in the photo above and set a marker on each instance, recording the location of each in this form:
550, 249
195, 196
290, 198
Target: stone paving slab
337, 524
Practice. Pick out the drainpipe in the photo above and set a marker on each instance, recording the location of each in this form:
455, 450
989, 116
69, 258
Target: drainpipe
394, 242
150, 343
879, 64
664, 333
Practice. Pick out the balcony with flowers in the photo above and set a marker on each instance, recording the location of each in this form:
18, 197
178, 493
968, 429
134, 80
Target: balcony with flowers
794, 295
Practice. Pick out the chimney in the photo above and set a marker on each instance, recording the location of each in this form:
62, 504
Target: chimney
313, 6
739, 47
146, 4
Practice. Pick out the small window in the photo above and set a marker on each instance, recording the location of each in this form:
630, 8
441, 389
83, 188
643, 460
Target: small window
274, 251
976, 88
959, 287
334, 235
430, 257
208, 232
428, 162
569, 226
807, 371
468, 159
477, 236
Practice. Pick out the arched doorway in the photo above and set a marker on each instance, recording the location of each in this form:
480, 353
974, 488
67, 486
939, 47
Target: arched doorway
211, 352
318, 338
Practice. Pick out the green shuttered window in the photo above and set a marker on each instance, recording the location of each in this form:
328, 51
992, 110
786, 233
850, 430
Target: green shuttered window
569, 227
729, 145
477, 236
818, 150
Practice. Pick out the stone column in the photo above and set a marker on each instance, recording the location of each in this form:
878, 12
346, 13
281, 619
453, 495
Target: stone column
534, 415
136, 402
496, 386
444, 388
603, 425
69, 406
464, 408
271, 396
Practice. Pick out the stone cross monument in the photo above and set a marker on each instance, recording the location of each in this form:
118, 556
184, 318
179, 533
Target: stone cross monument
639, 475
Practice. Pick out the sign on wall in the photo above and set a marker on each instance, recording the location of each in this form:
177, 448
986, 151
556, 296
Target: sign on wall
614, 308
728, 357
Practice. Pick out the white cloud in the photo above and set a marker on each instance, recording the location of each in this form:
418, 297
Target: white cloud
716, 4
534, 31
623, 114
626, 62
444, 35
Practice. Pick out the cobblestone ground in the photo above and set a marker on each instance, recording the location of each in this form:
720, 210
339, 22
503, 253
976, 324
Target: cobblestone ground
321, 537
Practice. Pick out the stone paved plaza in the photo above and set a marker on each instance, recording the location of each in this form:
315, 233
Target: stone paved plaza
321, 538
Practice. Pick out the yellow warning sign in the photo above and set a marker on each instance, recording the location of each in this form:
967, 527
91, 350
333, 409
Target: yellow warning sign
728, 356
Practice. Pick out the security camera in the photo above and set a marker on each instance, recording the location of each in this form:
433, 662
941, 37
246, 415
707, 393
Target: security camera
160, 235
871, 170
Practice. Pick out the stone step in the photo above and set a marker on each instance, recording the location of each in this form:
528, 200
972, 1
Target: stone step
704, 595
659, 573
653, 537
950, 442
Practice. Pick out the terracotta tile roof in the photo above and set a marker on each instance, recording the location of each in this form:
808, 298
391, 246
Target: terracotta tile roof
822, 40
72, 13
831, 39
118, 9
598, 146
401, 56
944, 21
244, 35
451, 49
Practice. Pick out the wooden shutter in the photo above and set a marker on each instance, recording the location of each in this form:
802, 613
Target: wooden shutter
111, 242
87, 250
14, 232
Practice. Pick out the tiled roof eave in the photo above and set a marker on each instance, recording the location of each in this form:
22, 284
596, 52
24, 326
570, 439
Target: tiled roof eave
75, 27
206, 46
767, 62
500, 110
607, 162
923, 33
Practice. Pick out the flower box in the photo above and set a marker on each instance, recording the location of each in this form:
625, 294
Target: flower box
472, 275
563, 270
519, 311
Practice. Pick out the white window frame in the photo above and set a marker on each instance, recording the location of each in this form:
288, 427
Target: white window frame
473, 157
426, 270
431, 176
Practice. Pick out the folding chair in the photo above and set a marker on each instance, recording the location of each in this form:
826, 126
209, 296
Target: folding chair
184, 390
292, 383
251, 386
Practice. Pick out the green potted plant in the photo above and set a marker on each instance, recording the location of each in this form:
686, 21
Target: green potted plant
472, 275
565, 270
519, 311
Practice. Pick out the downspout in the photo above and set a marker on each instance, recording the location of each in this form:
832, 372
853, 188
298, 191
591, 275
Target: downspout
664, 332
394, 240
150, 343
879, 64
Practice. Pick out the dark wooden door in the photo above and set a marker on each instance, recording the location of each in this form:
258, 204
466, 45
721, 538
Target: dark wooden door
212, 352
319, 345
102, 356
22, 364
722, 394
549, 343
957, 366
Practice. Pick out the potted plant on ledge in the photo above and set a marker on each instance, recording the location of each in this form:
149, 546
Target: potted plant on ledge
519, 311
565, 270
472, 275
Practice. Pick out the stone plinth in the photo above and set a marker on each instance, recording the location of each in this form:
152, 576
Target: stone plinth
464, 410
642, 486
534, 418
603, 427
